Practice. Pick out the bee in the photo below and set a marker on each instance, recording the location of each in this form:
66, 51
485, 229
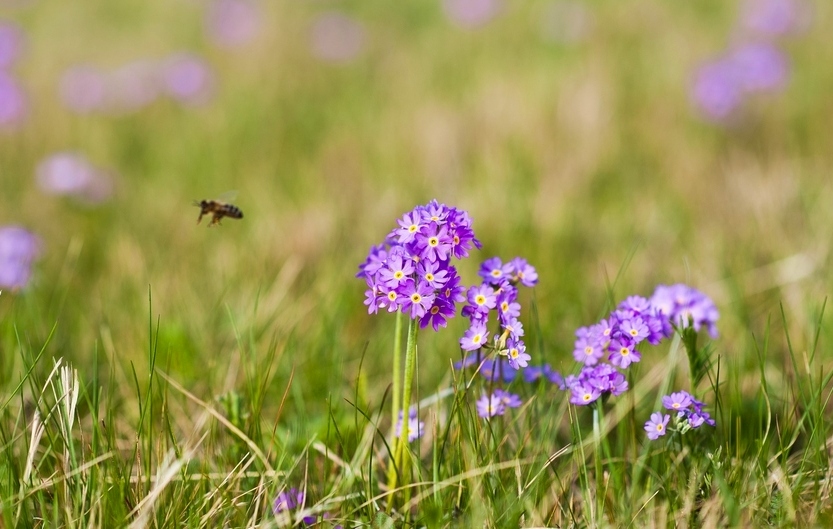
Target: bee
218, 210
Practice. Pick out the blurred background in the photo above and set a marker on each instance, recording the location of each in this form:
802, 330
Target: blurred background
651, 141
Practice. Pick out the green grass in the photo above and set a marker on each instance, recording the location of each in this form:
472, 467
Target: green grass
156, 373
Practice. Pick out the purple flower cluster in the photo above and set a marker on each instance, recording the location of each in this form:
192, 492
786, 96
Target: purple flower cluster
71, 174
499, 292
18, 249
13, 103
183, 77
612, 343
416, 428
689, 410
593, 382
615, 338
753, 66
681, 305
412, 271
490, 405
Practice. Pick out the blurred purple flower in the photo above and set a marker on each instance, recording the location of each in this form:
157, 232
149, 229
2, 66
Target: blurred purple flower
67, 173
472, 13
83, 88
566, 21
11, 43
18, 249
336, 37
716, 91
680, 303
188, 78
772, 18
416, 428
233, 23
13, 106
760, 67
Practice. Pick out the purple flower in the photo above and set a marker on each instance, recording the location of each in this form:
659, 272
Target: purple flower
11, 43
516, 352
438, 315
584, 393
522, 272
418, 298
337, 38
233, 23
492, 271
188, 78
760, 67
18, 249
497, 369
677, 401
83, 89
623, 353
682, 305
489, 406
397, 271
13, 105
416, 428
470, 14
68, 173
588, 350
482, 298
772, 18
656, 427
716, 90
474, 338
510, 400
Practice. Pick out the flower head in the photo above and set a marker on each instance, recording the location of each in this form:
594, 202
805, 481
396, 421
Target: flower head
416, 428
656, 427
489, 406
18, 250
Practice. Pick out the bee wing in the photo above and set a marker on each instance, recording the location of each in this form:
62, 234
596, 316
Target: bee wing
228, 196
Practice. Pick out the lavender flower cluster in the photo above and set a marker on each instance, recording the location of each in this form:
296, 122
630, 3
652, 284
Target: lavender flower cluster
499, 292
496, 403
754, 65
412, 271
183, 77
611, 344
690, 415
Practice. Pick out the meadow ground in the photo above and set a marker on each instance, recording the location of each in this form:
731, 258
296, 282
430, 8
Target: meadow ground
158, 373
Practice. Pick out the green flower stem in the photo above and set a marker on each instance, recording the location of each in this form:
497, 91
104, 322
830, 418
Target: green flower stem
396, 391
410, 369
597, 459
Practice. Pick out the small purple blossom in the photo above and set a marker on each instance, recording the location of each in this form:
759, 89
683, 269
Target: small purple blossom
187, 78
516, 352
716, 91
83, 89
760, 67
510, 400
489, 406
416, 428
18, 250
656, 427
474, 338
71, 174
677, 401
583, 394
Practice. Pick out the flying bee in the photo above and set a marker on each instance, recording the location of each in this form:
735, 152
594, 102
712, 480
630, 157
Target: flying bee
218, 210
